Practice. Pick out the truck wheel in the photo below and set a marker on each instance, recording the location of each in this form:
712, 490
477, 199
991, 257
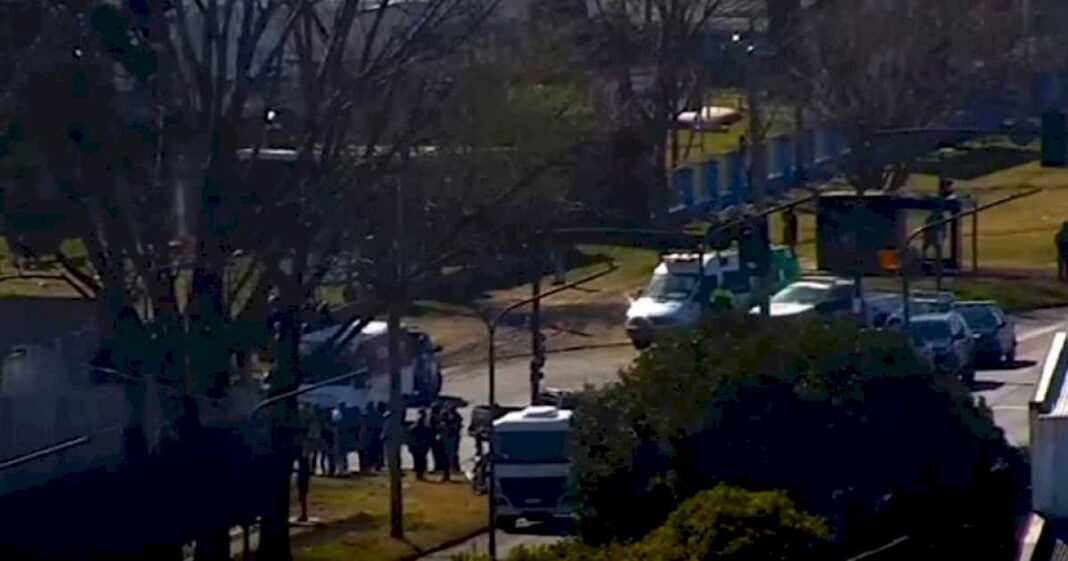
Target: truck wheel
507, 523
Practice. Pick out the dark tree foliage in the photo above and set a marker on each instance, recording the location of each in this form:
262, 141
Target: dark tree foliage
847, 421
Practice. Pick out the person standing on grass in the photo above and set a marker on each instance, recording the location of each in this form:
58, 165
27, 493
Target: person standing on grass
455, 424
341, 462
436, 450
314, 434
373, 439
450, 442
1061, 241
419, 444
329, 434
350, 434
383, 436
304, 470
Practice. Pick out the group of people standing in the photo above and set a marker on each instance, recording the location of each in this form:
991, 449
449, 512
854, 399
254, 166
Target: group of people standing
436, 433
331, 436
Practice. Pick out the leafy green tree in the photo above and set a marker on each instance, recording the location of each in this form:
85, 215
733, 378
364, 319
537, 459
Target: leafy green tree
849, 422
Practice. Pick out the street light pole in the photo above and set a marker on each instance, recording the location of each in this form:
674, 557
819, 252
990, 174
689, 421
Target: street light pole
41, 453
906, 248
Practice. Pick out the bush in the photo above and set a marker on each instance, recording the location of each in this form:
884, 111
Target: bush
727, 523
724, 524
850, 423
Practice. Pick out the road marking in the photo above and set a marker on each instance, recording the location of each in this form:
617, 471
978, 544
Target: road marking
1041, 331
1009, 407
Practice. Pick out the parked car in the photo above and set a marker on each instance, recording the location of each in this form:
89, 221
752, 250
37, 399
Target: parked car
922, 304
946, 342
994, 332
814, 295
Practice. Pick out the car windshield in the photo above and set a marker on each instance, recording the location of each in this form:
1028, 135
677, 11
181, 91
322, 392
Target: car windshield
929, 330
671, 287
801, 294
979, 318
525, 447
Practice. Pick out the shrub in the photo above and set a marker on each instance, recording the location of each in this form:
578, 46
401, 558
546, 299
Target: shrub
728, 523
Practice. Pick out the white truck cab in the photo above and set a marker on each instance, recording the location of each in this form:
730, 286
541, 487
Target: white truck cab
531, 465
684, 285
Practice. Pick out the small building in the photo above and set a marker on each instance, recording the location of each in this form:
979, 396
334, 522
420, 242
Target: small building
856, 233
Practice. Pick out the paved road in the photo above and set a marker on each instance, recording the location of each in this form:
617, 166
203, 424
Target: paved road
1006, 389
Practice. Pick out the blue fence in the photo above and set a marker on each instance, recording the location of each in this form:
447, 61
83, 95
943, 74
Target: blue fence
724, 182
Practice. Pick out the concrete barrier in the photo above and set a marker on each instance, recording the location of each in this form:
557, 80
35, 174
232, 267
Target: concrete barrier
1048, 423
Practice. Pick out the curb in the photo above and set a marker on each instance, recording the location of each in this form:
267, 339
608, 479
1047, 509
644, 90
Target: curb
446, 545
571, 349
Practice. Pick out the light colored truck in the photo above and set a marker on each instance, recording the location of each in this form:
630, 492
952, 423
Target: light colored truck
683, 286
532, 469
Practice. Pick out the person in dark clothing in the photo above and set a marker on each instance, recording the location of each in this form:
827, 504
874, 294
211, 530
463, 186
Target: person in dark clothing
933, 237
419, 439
1061, 242
382, 435
304, 470
338, 418
436, 450
456, 425
451, 424
329, 434
372, 438
789, 230
350, 435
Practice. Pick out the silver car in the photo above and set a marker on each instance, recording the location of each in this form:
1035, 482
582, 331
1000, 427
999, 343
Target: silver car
946, 341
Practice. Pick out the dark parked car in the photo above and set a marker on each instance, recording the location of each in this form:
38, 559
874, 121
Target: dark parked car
994, 332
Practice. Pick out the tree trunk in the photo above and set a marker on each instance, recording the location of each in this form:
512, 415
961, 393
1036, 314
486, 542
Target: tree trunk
274, 527
396, 420
659, 185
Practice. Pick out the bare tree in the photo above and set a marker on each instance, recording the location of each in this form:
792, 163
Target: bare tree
883, 71
157, 158
655, 59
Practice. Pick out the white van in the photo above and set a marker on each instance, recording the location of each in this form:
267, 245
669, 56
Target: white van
368, 350
683, 286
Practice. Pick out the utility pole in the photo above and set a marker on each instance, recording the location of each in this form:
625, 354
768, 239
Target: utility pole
758, 159
537, 352
396, 402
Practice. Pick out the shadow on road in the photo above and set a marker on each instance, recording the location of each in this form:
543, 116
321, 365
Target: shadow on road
544, 528
1015, 365
986, 385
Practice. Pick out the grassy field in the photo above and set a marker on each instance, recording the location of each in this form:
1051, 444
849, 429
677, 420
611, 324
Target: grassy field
355, 519
1018, 235
1013, 293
